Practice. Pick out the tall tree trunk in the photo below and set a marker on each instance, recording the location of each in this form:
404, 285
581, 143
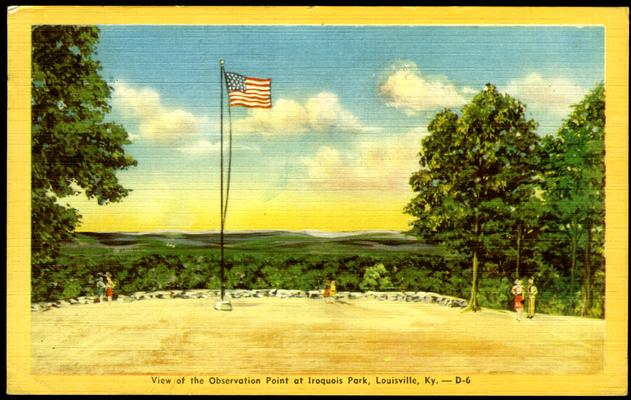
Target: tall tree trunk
573, 261
587, 271
473, 301
518, 248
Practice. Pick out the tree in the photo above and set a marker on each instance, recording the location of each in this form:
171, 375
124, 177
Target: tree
73, 148
475, 169
575, 177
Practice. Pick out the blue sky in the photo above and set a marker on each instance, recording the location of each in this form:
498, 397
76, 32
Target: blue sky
350, 106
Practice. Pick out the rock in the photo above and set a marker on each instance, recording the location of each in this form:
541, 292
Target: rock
434, 298
314, 294
282, 293
341, 295
138, 296
196, 294
73, 301
355, 295
199, 293
237, 293
272, 292
395, 296
41, 306
162, 295
62, 303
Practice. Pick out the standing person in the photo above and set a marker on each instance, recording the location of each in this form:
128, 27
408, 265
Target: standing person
332, 291
532, 296
109, 286
100, 288
327, 291
518, 292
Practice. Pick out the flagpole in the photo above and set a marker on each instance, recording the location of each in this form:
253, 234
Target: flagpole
222, 304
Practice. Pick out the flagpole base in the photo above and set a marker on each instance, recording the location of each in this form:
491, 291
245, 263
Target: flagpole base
224, 305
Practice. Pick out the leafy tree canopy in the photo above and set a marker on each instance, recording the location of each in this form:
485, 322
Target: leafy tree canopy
475, 170
74, 149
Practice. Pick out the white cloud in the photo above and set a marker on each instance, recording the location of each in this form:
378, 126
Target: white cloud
204, 146
156, 122
554, 95
201, 147
379, 164
404, 87
321, 113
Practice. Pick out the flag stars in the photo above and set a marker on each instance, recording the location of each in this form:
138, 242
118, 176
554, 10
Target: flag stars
235, 81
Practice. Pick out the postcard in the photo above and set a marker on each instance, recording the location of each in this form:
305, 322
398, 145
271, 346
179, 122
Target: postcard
317, 200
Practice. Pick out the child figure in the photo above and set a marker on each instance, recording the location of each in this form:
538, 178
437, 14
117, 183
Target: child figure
332, 291
532, 295
327, 291
109, 286
518, 292
100, 288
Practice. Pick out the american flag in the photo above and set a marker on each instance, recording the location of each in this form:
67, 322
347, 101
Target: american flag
249, 92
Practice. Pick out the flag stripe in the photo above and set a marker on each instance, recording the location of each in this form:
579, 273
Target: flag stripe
249, 92
252, 93
256, 91
257, 80
254, 97
251, 105
256, 85
236, 98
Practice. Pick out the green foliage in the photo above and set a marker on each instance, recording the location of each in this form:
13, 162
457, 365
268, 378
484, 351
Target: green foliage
575, 183
72, 146
71, 289
476, 169
376, 278
76, 275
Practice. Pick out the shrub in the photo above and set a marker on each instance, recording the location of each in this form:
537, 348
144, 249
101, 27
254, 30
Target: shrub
71, 289
376, 278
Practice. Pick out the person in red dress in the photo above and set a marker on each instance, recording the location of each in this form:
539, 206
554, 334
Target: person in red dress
518, 292
109, 286
327, 291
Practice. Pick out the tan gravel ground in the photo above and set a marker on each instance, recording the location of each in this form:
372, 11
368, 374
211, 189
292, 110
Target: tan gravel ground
305, 336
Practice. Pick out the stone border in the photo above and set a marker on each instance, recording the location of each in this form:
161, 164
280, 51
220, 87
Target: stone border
415, 297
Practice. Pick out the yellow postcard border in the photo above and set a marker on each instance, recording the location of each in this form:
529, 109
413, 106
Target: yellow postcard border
613, 380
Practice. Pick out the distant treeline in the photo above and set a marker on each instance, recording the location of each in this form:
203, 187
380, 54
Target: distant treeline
75, 276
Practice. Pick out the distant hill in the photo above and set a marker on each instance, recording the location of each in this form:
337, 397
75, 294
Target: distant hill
315, 242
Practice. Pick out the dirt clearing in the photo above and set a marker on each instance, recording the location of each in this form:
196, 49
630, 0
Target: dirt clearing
304, 336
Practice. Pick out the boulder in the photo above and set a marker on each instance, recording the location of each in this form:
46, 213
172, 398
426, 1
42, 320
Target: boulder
282, 293
62, 303
314, 294
355, 295
138, 296
395, 296
124, 299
